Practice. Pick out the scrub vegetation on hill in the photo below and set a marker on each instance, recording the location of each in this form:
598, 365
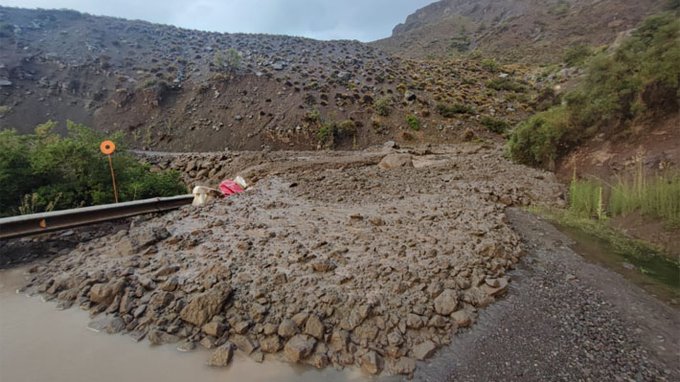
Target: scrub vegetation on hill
639, 79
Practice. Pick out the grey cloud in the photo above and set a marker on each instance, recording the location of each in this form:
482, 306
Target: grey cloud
364, 20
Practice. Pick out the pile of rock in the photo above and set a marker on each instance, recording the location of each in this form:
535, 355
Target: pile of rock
350, 266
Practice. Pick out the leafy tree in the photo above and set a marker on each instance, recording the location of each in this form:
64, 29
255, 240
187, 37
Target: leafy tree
65, 172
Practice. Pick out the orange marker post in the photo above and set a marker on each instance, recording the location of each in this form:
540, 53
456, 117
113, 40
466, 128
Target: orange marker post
107, 148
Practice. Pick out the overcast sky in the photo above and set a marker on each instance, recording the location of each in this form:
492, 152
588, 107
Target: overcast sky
364, 20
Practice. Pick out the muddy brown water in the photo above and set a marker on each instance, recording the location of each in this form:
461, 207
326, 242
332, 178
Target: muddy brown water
40, 343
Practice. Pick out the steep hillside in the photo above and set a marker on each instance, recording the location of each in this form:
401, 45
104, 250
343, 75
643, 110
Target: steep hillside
177, 89
514, 30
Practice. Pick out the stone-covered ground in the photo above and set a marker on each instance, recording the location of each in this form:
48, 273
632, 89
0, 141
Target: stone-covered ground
326, 260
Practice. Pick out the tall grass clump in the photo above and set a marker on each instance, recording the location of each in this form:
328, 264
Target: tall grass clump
585, 198
656, 196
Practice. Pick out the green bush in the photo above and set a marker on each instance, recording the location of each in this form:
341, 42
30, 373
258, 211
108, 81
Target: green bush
538, 140
346, 128
383, 106
229, 61
506, 84
326, 131
43, 171
450, 111
494, 125
577, 55
490, 64
413, 122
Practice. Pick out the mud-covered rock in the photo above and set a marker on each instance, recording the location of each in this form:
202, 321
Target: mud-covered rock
205, 306
392, 161
424, 350
371, 362
299, 347
221, 356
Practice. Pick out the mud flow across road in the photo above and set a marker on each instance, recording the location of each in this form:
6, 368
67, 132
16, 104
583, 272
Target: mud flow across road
329, 260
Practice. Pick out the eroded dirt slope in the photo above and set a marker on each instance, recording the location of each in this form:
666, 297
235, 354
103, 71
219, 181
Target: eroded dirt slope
174, 89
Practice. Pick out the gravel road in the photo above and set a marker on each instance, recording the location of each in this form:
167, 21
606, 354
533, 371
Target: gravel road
563, 319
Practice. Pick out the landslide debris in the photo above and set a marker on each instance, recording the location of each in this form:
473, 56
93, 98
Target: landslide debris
321, 264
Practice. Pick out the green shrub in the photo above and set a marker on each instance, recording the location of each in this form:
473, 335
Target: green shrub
494, 125
43, 171
560, 8
346, 128
229, 61
576, 55
326, 132
413, 122
490, 64
538, 140
506, 84
450, 111
313, 116
383, 106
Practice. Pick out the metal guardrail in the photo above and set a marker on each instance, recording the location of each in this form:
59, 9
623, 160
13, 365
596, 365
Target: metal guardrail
33, 224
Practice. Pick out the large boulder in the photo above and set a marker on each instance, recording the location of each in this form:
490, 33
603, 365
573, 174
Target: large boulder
424, 350
221, 356
299, 347
203, 307
105, 293
446, 302
371, 363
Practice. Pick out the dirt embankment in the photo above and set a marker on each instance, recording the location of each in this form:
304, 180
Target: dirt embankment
324, 262
651, 146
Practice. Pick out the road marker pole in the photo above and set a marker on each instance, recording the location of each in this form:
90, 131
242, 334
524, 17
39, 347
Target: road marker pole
107, 148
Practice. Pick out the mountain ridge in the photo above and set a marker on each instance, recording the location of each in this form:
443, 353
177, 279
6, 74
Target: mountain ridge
518, 30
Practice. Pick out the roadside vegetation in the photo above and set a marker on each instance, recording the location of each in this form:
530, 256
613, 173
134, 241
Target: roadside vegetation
640, 78
44, 171
656, 197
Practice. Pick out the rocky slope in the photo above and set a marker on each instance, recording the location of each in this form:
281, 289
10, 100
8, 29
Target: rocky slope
176, 89
515, 30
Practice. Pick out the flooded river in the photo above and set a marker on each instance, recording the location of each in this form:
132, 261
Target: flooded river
40, 343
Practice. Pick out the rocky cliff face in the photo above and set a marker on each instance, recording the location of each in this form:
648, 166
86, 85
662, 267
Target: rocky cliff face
177, 89
514, 30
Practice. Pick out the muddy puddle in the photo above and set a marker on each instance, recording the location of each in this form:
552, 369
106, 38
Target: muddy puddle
655, 274
40, 343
